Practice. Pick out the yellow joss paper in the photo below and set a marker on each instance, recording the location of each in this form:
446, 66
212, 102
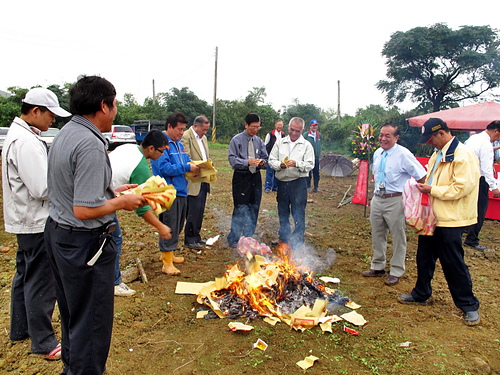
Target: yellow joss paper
158, 194
207, 172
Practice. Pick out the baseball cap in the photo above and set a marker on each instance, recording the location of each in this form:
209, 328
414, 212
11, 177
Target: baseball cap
45, 98
431, 126
313, 122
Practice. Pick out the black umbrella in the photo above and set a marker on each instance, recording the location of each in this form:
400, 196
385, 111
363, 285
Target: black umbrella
336, 165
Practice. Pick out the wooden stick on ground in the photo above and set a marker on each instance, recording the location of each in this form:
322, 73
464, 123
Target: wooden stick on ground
141, 270
344, 201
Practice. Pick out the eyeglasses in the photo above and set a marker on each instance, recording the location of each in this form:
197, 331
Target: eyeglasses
161, 151
254, 127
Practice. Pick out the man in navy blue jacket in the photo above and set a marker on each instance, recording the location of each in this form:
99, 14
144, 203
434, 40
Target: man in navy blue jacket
171, 166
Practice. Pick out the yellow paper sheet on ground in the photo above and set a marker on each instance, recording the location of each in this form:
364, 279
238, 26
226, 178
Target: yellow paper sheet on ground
190, 288
207, 172
307, 362
354, 318
352, 305
158, 194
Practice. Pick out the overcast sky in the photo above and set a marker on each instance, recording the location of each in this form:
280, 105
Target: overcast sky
296, 50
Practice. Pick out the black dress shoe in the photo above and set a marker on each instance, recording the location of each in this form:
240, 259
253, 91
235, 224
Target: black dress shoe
203, 242
408, 299
391, 280
477, 247
195, 246
374, 273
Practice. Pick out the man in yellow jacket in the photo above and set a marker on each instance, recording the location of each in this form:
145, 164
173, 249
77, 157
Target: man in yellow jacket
452, 182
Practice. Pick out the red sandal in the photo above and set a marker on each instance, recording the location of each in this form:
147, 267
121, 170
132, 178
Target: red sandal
54, 355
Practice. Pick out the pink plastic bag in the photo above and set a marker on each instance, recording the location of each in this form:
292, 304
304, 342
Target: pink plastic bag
418, 209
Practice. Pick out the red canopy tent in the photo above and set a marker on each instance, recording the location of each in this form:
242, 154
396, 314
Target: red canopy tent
471, 117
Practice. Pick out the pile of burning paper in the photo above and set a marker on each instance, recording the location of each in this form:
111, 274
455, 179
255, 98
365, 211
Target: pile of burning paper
277, 289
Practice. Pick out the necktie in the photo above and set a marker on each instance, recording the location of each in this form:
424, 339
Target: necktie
438, 159
251, 155
381, 172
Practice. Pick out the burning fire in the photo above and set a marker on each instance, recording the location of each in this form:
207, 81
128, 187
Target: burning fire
270, 287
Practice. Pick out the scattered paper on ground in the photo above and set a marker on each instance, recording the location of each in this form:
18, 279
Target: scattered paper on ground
272, 320
354, 318
190, 288
351, 331
237, 326
201, 314
327, 279
352, 305
260, 344
212, 240
307, 362
405, 344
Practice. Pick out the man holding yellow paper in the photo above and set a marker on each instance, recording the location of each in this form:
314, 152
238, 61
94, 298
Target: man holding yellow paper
129, 166
195, 142
172, 166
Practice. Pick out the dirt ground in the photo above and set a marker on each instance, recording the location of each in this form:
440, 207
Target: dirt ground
156, 331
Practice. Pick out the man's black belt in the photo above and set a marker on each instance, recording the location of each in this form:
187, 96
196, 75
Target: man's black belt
106, 228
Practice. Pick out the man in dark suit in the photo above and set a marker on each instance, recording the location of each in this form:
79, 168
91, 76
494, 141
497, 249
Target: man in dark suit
196, 145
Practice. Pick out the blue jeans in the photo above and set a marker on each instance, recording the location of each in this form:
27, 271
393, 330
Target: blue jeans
292, 198
116, 236
271, 180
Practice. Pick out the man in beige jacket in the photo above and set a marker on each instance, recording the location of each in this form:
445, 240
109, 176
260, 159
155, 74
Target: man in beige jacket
452, 183
196, 145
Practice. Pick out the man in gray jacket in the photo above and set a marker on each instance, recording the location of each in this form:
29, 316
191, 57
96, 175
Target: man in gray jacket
25, 206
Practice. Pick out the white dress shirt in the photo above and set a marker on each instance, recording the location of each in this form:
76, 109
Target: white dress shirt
483, 148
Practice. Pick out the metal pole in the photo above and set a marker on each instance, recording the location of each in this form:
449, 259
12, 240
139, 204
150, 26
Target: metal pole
338, 102
154, 94
214, 126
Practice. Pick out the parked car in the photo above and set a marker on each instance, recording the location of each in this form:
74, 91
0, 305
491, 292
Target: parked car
119, 135
3, 135
49, 135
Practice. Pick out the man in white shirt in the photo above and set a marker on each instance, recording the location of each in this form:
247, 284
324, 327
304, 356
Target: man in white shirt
292, 158
26, 208
481, 144
393, 165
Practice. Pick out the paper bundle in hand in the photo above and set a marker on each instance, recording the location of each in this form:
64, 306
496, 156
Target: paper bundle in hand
207, 172
158, 194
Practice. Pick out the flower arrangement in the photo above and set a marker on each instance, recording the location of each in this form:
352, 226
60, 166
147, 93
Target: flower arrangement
364, 143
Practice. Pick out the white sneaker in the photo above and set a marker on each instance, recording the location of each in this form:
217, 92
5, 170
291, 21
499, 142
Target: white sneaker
123, 290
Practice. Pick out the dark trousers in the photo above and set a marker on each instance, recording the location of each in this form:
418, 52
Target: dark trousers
194, 215
84, 295
33, 295
314, 173
292, 198
482, 205
118, 240
271, 180
445, 245
247, 194
174, 218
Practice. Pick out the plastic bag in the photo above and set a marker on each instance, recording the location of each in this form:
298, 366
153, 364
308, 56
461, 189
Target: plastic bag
418, 209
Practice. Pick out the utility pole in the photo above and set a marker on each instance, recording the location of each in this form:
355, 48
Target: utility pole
154, 95
338, 103
214, 127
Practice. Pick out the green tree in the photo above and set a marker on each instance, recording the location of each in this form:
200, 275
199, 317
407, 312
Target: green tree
437, 66
185, 101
